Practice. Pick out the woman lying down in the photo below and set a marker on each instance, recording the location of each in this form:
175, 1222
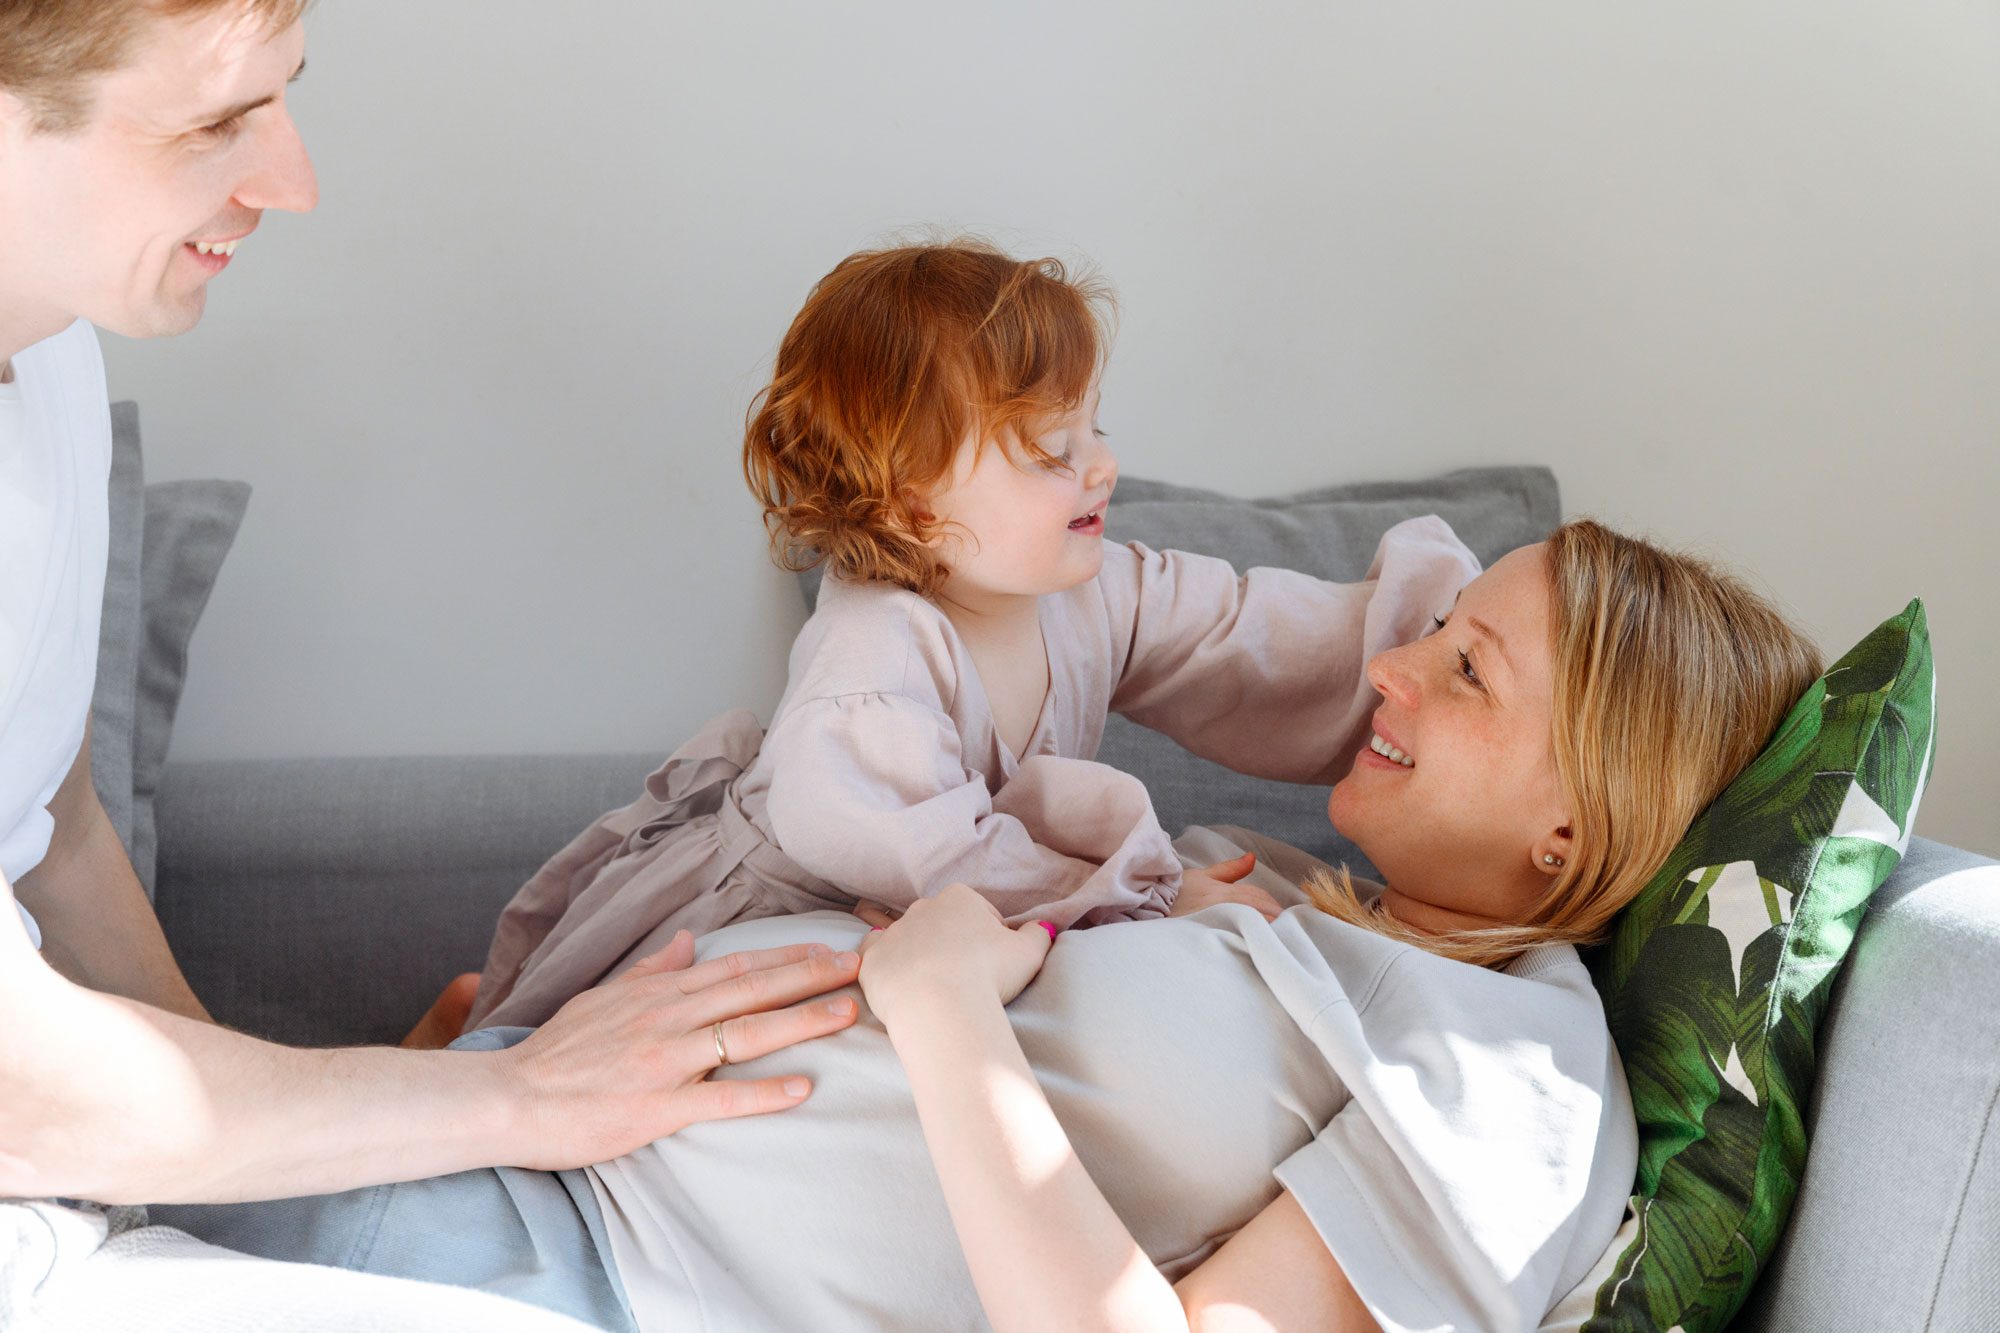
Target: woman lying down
1394, 1106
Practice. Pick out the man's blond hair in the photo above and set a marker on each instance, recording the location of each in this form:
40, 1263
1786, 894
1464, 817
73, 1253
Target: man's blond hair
52, 50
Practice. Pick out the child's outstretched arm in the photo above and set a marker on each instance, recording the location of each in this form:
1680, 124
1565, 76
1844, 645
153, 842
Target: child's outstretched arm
1264, 671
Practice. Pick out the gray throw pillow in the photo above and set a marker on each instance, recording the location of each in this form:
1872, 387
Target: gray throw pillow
190, 526
1331, 533
114, 703
167, 545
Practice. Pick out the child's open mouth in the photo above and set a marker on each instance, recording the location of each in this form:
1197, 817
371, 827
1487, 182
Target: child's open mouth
1091, 524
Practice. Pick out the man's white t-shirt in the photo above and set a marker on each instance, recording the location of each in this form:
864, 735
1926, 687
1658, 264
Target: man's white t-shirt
55, 466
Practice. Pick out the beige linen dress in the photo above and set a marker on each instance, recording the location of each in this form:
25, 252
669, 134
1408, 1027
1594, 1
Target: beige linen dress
882, 775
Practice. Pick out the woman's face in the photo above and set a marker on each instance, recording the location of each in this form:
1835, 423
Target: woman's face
1462, 821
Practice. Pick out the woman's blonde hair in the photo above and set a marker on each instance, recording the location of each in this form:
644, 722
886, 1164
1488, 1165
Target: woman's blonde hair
1670, 676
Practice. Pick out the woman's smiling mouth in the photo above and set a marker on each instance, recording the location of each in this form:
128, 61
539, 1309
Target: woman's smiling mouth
1390, 752
1383, 748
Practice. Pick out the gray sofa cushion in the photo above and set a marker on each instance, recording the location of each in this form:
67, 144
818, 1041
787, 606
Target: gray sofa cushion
1492, 509
114, 701
1329, 532
190, 526
1897, 1223
167, 545
329, 900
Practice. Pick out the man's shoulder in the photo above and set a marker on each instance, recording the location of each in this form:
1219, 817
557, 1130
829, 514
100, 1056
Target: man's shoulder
74, 349
69, 407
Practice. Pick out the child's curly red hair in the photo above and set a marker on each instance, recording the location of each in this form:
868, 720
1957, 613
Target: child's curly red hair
897, 358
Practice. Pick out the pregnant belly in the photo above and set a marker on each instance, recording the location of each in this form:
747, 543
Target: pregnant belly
1179, 1080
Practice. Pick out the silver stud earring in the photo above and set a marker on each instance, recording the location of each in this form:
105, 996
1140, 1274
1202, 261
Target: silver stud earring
1551, 859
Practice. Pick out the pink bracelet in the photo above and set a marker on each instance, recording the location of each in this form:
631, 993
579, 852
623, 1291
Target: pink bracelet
1050, 927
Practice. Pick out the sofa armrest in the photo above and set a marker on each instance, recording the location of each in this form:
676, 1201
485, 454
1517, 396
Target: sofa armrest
1897, 1223
327, 901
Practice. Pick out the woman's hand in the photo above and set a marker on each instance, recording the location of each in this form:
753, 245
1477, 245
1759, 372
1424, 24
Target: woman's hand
953, 944
627, 1062
1218, 884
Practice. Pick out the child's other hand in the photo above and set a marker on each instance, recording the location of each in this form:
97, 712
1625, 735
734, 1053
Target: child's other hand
1218, 884
955, 943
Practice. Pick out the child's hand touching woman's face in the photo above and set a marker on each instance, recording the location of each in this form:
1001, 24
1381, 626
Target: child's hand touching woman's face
1014, 526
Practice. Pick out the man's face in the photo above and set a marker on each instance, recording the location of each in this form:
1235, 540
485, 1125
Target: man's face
184, 148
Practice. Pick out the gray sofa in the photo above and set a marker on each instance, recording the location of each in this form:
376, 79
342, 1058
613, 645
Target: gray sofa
327, 901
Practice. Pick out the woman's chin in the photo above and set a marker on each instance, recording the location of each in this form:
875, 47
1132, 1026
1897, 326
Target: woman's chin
1344, 807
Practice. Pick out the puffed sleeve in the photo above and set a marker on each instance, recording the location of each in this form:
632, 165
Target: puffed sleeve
1263, 671
869, 792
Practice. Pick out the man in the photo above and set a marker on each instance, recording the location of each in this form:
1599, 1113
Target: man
140, 143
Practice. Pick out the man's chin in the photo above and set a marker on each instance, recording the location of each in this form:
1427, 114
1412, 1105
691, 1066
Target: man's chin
163, 319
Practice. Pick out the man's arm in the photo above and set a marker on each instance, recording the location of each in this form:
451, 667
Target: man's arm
110, 1099
98, 929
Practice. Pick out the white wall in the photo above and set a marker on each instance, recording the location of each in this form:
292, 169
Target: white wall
1732, 270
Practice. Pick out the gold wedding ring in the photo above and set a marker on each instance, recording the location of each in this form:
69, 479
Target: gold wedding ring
721, 1053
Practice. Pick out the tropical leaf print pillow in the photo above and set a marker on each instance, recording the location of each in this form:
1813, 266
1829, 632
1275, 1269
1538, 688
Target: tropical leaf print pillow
1716, 977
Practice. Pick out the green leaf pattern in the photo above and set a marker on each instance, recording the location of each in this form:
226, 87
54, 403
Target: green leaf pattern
1716, 978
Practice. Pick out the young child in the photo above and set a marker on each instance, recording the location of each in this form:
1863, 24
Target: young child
929, 437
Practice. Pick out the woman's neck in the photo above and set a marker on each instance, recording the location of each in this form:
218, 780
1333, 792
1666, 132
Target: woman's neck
1430, 918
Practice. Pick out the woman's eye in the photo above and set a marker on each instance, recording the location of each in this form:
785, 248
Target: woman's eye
1437, 622
1465, 668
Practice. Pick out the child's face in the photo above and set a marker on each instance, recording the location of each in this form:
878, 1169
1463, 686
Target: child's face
1019, 528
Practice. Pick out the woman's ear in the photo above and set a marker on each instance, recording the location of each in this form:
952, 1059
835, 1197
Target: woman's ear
1553, 850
